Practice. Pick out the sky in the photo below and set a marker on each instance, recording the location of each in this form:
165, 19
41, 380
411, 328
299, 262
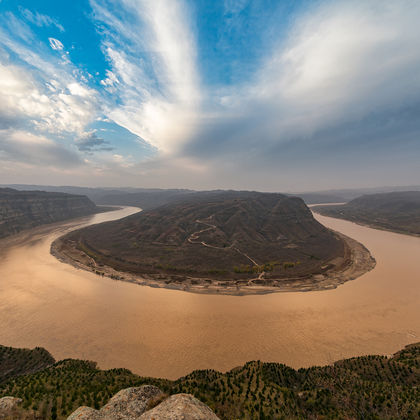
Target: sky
270, 95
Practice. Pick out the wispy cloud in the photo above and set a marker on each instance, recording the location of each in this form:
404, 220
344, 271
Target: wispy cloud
234, 6
153, 68
55, 44
40, 20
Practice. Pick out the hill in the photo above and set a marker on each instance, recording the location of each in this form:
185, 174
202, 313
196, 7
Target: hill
15, 362
230, 238
367, 387
21, 210
395, 211
145, 198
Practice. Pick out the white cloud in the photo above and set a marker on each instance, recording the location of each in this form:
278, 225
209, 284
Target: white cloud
153, 56
38, 92
56, 44
22, 98
77, 89
340, 63
35, 150
40, 20
110, 80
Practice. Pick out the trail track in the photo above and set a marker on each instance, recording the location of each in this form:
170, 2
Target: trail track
195, 236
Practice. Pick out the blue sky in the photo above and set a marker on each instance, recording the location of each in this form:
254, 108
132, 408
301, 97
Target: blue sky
253, 94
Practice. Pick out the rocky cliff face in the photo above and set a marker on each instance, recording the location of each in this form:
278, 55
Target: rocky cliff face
146, 403
21, 210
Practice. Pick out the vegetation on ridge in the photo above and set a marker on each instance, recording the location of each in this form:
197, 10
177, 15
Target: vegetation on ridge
368, 387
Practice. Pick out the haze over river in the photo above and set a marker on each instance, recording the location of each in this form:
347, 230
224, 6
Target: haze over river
167, 333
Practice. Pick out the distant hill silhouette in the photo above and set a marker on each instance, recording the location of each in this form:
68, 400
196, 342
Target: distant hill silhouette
21, 210
396, 211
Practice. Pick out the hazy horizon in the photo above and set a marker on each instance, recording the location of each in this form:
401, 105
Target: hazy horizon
273, 96
354, 191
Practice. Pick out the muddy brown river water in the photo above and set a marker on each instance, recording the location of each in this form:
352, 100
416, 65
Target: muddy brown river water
167, 333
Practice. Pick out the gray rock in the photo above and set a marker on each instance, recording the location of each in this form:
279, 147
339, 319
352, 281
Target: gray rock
130, 403
180, 407
8, 406
85, 413
138, 403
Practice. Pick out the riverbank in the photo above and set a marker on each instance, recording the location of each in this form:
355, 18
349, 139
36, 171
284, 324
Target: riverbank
328, 211
356, 262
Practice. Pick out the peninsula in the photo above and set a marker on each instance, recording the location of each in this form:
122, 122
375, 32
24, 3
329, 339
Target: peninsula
231, 242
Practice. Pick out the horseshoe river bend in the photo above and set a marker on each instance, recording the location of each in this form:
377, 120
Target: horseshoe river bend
168, 333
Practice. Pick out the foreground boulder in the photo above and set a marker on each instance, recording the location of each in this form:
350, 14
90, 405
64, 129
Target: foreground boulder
9, 406
147, 402
180, 406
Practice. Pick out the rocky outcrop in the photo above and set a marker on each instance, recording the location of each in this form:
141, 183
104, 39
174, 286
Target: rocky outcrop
180, 406
146, 403
21, 210
9, 406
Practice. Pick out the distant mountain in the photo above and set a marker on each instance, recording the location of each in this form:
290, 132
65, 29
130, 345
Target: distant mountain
230, 234
148, 198
319, 198
396, 211
347, 194
145, 198
21, 210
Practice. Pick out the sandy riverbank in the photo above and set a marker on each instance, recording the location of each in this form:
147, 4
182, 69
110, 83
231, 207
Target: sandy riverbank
356, 262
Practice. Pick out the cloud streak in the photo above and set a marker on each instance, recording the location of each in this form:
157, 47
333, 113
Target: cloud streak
155, 76
40, 20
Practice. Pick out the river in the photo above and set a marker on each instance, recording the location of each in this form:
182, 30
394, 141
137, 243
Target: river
168, 333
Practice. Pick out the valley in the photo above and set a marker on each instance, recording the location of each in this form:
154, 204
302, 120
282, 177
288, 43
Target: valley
167, 333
